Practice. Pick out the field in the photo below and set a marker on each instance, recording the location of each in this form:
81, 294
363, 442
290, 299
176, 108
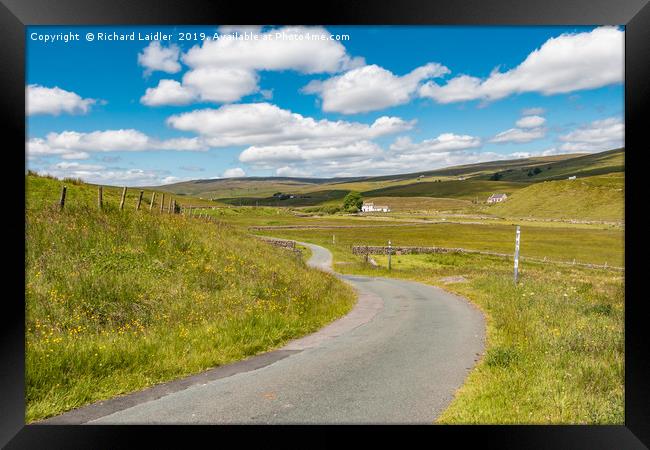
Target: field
120, 300
421, 204
464, 190
585, 245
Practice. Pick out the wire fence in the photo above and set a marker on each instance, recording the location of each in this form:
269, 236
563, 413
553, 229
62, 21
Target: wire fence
364, 250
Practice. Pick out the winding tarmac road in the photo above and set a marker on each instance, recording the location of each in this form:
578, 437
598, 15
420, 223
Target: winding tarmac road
397, 357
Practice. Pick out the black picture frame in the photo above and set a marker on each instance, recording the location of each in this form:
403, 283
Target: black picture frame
15, 15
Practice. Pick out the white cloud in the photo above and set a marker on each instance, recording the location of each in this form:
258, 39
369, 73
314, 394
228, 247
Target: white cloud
221, 85
519, 135
530, 122
363, 158
44, 100
288, 171
371, 88
168, 92
170, 179
236, 172
156, 57
533, 111
128, 177
600, 135
76, 145
224, 70
270, 51
291, 153
567, 63
75, 155
264, 124
76, 166
529, 128
389, 163
446, 142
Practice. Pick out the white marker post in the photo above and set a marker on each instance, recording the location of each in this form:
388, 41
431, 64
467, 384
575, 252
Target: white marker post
389, 253
517, 254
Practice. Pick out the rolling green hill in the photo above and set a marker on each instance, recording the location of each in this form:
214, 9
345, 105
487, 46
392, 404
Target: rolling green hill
611, 161
465, 190
480, 181
590, 198
257, 187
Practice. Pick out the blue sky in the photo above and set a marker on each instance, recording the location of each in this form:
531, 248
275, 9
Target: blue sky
250, 101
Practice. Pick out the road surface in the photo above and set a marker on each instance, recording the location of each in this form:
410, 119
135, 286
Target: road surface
397, 357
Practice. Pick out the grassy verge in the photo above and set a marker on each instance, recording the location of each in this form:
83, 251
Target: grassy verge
555, 342
117, 301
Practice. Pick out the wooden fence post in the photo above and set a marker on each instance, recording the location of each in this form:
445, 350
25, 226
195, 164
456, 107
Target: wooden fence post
62, 199
162, 202
169, 206
137, 208
100, 199
123, 197
153, 196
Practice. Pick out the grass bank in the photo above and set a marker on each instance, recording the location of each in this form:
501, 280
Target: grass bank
590, 198
117, 301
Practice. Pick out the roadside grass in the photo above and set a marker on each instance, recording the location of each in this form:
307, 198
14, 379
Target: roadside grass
305, 252
118, 301
555, 342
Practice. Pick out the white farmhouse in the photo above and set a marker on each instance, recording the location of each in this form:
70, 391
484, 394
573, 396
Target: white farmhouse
497, 198
371, 207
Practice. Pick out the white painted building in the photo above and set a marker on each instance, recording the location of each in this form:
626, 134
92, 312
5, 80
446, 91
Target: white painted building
371, 207
497, 198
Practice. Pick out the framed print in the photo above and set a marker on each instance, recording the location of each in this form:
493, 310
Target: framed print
354, 214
